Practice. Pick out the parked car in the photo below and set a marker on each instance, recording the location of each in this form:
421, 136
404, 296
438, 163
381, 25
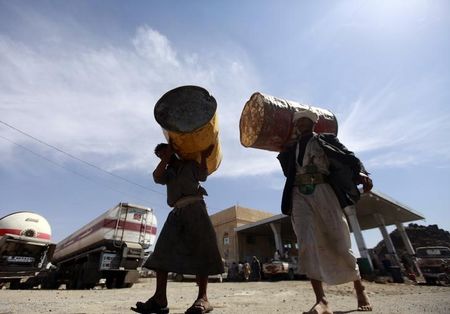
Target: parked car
281, 268
434, 263
185, 277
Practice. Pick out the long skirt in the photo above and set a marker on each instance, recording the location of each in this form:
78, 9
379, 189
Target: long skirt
322, 231
187, 243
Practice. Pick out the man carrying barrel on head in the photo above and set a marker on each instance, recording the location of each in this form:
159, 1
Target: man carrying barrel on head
321, 180
187, 243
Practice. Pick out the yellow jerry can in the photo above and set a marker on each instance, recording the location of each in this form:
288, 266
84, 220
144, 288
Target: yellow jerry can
187, 115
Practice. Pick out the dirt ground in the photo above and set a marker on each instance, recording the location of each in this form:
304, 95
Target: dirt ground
230, 298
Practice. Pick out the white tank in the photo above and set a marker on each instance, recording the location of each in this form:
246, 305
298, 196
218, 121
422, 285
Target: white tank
26, 224
124, 222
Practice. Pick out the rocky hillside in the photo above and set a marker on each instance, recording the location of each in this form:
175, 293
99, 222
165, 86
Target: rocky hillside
419, 235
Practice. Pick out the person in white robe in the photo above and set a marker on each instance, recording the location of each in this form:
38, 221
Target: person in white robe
318, 219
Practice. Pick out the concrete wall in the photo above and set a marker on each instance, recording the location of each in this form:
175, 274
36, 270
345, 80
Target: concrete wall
261, 246
224, 223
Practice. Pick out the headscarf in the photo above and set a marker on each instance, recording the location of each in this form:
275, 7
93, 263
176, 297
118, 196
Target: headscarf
305, 113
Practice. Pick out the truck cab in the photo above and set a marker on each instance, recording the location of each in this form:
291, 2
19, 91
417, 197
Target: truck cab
25, 248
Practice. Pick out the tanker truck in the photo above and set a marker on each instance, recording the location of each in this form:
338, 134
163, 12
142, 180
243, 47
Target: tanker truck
108, 249
25, 248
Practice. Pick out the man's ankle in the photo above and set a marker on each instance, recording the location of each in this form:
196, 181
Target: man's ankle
322, 300
360, 289
160, 300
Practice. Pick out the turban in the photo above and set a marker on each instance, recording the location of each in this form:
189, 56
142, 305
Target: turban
305, 113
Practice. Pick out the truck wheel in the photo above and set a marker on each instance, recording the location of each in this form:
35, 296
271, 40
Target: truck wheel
179, 278
291, 274
110, 282
14, 284
430, 280
26, 286
80, 285
72, 283
50, 281
120, 280
115, 281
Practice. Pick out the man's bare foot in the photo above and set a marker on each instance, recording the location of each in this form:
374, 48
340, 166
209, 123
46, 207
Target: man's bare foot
320, 308
363, 301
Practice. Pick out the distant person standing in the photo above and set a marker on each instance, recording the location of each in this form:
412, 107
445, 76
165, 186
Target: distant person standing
321, 178
276, 255
256, 269
241, 270
247, 271
187, 243
234, 272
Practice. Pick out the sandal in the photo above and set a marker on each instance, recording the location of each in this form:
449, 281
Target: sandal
200, 306
150, 307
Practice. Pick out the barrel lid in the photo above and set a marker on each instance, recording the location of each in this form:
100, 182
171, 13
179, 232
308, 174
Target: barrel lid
185, 109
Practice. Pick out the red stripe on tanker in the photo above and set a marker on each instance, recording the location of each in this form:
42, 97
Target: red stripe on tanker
26, 224
43, 236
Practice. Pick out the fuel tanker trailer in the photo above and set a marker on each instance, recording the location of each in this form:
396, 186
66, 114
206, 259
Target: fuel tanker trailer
25, 247
110, 247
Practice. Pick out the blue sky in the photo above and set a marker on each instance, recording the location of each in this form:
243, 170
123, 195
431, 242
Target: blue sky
84, 76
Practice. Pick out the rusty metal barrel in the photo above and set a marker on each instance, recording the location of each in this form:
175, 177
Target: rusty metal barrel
187, 115
266, 122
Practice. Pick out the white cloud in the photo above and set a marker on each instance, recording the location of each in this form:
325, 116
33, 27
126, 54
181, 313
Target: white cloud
97, 102
154, 46
399, 126
247, 162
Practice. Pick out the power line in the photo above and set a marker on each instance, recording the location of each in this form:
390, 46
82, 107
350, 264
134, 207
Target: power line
79, 159
70, 170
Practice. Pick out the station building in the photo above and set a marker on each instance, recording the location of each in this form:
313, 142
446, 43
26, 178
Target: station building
245, 232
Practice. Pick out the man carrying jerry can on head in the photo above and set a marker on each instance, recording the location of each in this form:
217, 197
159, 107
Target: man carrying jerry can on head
187, 243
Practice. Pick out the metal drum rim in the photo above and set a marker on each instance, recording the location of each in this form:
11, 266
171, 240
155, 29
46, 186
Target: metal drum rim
176, 90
